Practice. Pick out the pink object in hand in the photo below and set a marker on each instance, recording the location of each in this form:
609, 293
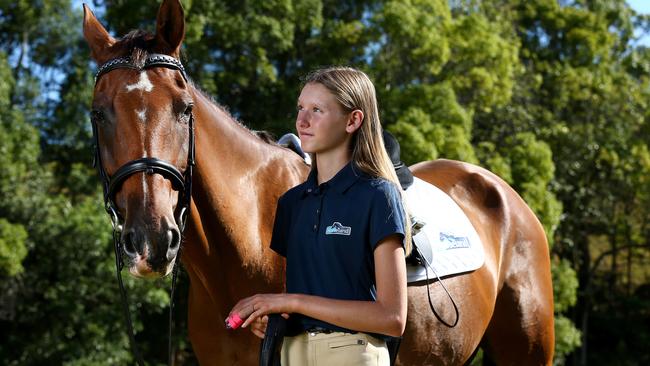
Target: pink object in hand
234, 321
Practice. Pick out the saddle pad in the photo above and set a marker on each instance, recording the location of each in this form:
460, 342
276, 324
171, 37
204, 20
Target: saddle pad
447, 239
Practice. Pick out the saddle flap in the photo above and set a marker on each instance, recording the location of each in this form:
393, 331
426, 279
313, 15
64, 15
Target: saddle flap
447, 240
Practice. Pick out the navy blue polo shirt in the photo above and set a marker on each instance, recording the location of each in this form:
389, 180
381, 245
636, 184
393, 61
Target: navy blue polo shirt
328, 234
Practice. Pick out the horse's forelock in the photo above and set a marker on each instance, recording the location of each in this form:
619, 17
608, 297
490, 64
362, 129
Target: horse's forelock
139, 56
137, 44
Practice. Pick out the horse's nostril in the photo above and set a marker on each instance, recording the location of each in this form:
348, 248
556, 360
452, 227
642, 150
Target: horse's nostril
174, 243
130, 244
176, 239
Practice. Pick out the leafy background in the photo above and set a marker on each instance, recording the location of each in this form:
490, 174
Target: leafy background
552, 95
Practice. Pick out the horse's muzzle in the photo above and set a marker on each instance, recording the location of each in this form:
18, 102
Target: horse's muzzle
151, 251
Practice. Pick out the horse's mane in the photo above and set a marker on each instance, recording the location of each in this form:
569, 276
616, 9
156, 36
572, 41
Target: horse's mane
138, 44
265, 136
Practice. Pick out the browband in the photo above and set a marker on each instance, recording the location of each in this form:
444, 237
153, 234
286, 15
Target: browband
153, 60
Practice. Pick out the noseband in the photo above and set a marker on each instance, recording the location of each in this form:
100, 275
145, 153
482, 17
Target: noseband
181, 182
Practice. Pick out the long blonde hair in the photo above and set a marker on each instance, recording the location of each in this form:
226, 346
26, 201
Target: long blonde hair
354, 90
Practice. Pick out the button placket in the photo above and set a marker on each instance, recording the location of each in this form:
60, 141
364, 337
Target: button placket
319, 209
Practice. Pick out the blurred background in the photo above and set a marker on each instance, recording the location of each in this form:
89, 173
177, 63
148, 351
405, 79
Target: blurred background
552, 95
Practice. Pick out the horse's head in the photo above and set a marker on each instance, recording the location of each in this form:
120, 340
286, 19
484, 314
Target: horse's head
142, 121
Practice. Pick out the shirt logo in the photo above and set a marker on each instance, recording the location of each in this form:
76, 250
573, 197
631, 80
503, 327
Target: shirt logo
338, 229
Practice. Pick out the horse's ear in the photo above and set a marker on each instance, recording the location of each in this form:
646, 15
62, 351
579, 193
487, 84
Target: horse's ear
97, 37
170, 27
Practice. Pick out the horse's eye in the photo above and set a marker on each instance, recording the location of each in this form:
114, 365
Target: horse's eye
96, 116
188, 110
187, 113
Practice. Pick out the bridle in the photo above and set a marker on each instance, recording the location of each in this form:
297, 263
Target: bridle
181, 182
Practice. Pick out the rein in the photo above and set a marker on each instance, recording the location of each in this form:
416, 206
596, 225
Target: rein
181, 182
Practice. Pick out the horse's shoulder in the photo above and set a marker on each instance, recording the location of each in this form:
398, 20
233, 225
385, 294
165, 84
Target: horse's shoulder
284, 168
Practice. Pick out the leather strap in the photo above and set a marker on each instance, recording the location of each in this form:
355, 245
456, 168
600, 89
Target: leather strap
150, 166
181, 182
153, 60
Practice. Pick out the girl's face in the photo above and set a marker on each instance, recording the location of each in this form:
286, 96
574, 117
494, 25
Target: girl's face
321, 121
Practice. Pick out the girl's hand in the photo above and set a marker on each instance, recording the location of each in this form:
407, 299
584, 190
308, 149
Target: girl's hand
258, 327
257, 306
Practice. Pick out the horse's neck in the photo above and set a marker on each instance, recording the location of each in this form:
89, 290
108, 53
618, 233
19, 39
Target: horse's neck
236, 183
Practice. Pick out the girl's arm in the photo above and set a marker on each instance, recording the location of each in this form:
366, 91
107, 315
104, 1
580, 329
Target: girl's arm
386, 315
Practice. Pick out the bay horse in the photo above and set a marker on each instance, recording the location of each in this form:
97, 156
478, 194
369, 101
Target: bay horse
506, 306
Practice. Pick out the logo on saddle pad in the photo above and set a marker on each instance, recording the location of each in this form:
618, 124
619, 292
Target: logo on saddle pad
455, 242
337, 229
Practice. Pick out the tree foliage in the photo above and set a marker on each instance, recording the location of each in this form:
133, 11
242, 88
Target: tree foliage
550, 95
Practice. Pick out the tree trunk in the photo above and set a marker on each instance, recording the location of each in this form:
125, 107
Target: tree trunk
613, 269
583, 305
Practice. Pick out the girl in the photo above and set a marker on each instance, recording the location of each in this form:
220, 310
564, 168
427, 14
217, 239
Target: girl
343, 233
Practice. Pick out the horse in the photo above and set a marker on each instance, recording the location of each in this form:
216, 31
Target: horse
505, 307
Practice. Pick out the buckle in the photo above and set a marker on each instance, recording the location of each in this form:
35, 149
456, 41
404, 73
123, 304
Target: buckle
115, 219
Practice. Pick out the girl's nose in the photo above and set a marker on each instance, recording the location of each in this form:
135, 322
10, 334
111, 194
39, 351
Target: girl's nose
302, 120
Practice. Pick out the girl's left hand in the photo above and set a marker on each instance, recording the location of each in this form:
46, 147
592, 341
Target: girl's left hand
259, 305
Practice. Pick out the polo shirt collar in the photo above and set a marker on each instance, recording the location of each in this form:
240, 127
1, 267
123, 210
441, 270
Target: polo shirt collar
341, 182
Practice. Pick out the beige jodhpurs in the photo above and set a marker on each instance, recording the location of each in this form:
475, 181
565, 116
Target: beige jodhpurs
334, 349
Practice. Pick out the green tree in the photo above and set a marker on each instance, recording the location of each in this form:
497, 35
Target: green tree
580, 95
550, 95
58, 294
17, 154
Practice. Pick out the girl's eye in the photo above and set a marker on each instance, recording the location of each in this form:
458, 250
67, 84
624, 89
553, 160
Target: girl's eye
316, 109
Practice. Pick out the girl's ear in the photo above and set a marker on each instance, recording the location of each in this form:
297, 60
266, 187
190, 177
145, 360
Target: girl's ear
354, 121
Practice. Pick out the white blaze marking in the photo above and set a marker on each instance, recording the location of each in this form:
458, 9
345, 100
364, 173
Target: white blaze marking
143, 84
145, 192
142, 114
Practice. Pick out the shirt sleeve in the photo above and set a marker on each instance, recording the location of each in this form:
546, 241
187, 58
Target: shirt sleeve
387, 216
280, 227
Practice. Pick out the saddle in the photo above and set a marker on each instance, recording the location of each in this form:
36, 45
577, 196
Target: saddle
292, 142
417, 257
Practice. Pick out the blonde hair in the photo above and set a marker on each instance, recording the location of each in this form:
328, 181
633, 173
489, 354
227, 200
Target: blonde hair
354, 90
